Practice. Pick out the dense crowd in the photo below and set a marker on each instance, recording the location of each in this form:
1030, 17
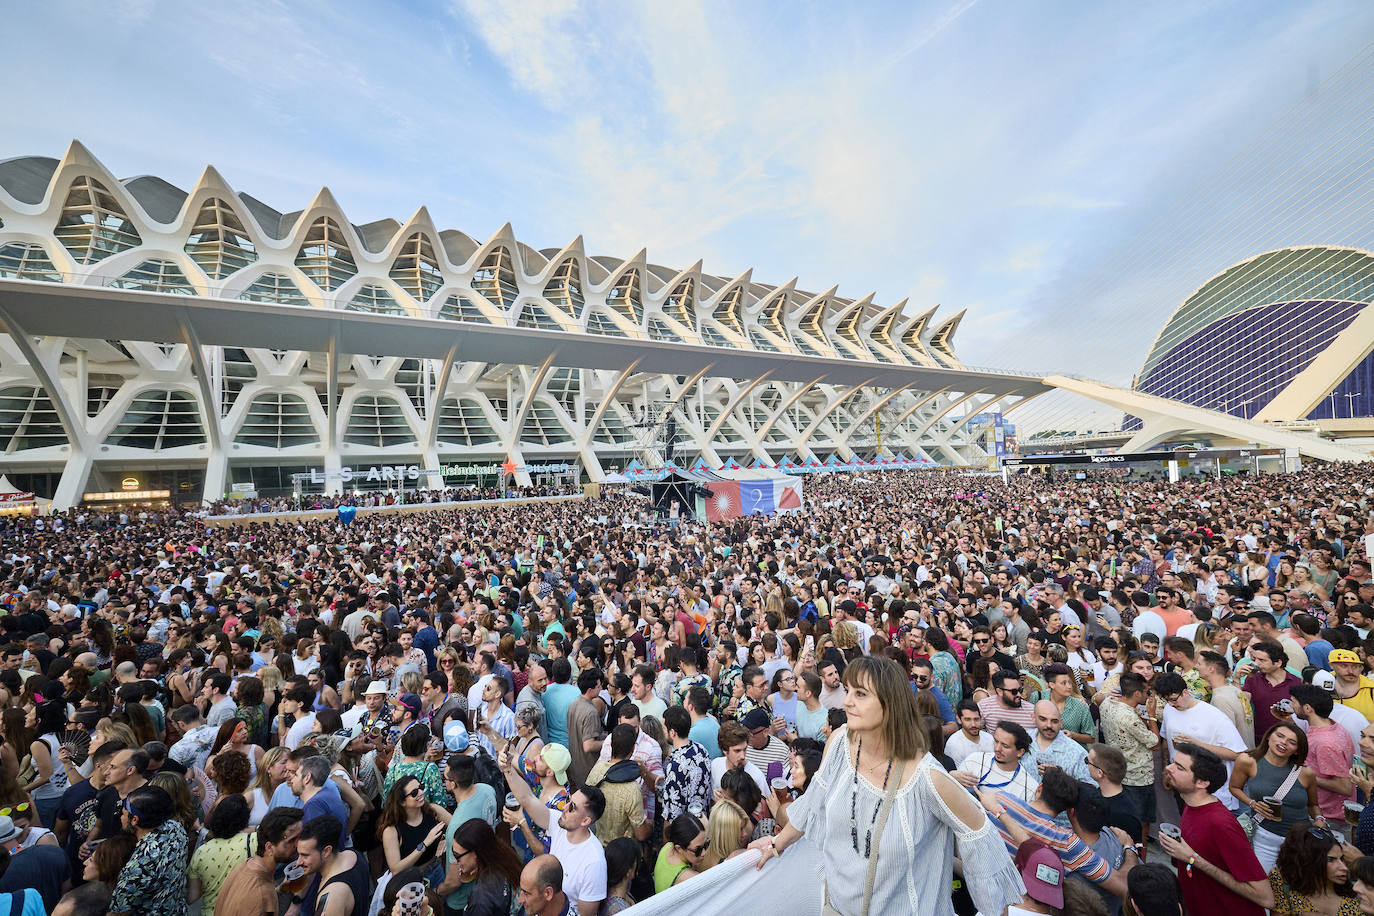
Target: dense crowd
306, 502
957, 694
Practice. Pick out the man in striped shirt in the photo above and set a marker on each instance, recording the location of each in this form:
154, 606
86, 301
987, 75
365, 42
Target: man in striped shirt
1007, 703
1019, 821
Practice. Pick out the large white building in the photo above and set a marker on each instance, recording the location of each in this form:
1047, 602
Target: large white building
306, 342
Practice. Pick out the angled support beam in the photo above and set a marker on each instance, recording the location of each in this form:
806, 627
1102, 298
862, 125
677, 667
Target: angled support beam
735, 402
606, 399
47, 377
831, 408
433, 408
783, 407
863, 418
72, 484
207, 394
526, 400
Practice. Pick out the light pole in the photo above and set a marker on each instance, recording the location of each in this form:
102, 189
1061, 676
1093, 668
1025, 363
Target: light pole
1350, 402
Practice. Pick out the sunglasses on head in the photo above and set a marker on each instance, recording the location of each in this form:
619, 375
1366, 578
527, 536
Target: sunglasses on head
22, 808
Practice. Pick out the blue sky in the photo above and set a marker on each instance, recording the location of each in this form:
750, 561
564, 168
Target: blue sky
994, 156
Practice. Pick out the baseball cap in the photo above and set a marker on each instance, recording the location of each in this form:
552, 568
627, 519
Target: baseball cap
558, 760
456, 737
376, 687
755, 718
1042, 872
1343, 655
1325, 680
408, 701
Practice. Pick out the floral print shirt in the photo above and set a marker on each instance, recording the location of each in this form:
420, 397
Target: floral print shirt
686, 781
153, 882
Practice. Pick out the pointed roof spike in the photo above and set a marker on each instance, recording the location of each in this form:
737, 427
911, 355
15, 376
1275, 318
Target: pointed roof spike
211, 178
76, 153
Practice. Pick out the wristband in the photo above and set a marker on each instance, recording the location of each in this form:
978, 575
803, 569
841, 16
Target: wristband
1192, 860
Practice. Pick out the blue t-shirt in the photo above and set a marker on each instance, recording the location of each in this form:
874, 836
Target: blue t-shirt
325, 802
946, 710
557, 699
1317, 652
704, 732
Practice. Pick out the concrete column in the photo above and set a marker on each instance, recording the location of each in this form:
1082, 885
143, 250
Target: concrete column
216, 476
72, 484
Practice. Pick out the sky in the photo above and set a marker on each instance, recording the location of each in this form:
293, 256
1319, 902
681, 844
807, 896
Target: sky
1038, 164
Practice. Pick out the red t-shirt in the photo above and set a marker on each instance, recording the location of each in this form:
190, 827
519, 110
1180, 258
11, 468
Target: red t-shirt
1215, 835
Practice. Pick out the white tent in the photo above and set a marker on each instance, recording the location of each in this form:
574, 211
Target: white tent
13, 498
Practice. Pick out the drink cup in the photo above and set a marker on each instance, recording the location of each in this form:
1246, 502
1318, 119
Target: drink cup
512, 803
1352, 812
781, 787
1172, 831
411, 898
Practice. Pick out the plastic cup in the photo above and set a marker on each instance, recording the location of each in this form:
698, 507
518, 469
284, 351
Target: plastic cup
780, 785
512, 803
411, 898
1352, 812
1172, 831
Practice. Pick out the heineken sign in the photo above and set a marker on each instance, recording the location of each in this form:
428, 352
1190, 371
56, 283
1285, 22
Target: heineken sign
400, 473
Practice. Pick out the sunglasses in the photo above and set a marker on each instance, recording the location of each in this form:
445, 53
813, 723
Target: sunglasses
16, 809
698, 850
415, 792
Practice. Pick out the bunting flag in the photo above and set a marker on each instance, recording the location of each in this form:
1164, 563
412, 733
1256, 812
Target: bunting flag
700, 466
731, 465
760, 465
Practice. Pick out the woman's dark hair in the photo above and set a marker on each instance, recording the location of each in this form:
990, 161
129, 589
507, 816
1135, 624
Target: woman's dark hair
232, 772
330, 721
1302, 859
937, 639
112, 855
138, 719
229, 817
809, 752
152, 806
415, 740
684, 828
740, 787
621, 857
52, 717
398, 881
393, 807
250, 692
494, 856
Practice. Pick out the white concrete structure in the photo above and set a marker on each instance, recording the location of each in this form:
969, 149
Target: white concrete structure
200, 338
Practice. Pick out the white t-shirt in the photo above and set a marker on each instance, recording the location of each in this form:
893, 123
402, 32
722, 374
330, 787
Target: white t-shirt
584, 864
718, 770
298, 730
958, 746
1149, 622
1021, 784
1204, 722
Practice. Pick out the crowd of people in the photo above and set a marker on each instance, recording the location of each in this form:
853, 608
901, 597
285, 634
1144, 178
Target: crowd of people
963, 695
306, 502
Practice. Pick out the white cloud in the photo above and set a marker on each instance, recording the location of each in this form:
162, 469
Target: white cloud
537, 41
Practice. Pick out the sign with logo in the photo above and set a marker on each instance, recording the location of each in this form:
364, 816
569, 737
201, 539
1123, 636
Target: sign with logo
400, 473
129, 483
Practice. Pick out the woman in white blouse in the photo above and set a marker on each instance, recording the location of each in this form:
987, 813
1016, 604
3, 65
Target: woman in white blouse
885, 815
